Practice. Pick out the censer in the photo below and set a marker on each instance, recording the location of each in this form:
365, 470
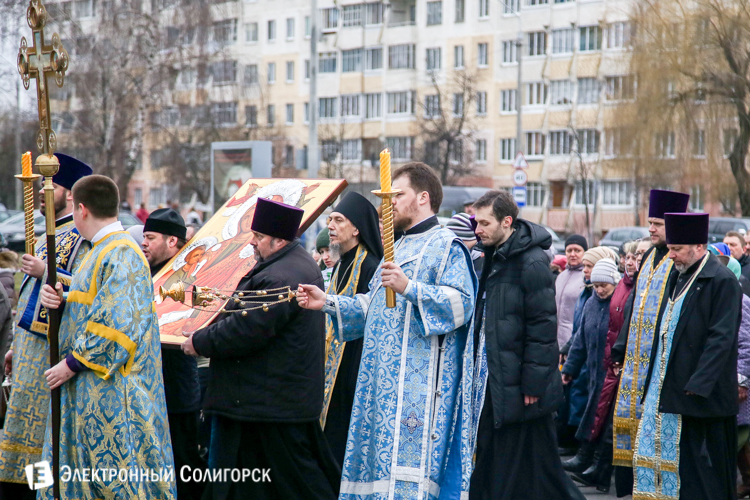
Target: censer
205, 298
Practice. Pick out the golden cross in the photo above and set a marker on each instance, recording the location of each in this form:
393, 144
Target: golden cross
40, 61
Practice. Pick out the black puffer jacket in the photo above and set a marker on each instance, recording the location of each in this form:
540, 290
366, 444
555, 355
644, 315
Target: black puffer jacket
521, 326
268, 366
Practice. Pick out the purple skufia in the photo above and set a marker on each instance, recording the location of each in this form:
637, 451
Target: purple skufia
662, 202
686, 229
276, 219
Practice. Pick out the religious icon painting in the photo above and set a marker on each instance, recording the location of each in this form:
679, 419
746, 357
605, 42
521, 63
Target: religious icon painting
220, 254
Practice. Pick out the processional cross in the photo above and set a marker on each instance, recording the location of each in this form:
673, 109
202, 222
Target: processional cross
39, 62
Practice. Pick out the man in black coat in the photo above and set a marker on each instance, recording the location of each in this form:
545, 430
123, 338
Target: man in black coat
163, 237
516, 442
693, 381
266, 386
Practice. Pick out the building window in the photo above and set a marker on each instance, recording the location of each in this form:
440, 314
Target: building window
307, 27
289, 71
613, 142
535, 143
374, 13
481, 103
251, 32
588, 90
307, 69
327, 107
591, 38
350, 105
536, 43
618, 35
535, 3
458, 104
507, 150
617, 193
372, 106
563, 41
460, 11
584, 197
481, 150
329, 150
699, 143
456, 151
588, 141
271, 73
251, 116
458, 57
330, 19
664, 145
351, 60
535, 192
289, 114
432, 106
401, 56
508, 101
138, 195
224, 113
434, 13
290, 28
433, 59
482, 57
306, 112
696, 199
289, 156
327, 62
352, 15
620, 88
560, 142
224, 72
561, 92
271, 115
400, 103
536, 94
510, 52
84, 9
374, 59
400, 147
484, 9
352, 150
271, 31
511, 6
730, 138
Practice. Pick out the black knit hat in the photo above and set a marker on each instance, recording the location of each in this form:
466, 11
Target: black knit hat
577, 239
166, 221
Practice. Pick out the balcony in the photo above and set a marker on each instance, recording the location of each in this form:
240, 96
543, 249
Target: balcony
402, 13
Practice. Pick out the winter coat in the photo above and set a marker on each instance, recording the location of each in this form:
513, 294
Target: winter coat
8, 282
578, 395
268, 366
743, 358
588, 348
521, 326
703, 359
568, 287
611, 381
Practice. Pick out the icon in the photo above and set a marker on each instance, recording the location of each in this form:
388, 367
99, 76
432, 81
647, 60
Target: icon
520, 177
519, 196
44, 474
520, 161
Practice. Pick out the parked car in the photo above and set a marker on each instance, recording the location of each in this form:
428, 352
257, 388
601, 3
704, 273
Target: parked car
7, 214
616, 237
558, 245
718, 227
14, 229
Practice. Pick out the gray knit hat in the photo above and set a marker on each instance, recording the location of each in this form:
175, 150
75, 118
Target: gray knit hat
460, 224
605, 271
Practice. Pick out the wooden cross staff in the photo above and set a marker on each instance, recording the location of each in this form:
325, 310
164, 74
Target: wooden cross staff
39, 62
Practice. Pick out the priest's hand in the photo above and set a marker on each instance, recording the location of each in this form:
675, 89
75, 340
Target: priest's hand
32, 266
311, 297
51, 298
187, 346
394, 278
58, 374
566, 379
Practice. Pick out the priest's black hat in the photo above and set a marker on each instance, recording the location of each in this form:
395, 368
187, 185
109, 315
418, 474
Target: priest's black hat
363, 215
662, 202
71, 169
166, 221
276, 219
686, 229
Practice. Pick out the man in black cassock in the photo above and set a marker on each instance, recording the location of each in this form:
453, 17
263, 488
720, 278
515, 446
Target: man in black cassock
355, 236
266, 387
690, 404
163, 237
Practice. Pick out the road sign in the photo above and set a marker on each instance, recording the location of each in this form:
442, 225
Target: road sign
520, 177
519, 196
520, 161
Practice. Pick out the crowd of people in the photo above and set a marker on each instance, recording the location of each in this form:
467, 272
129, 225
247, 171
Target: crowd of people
474, 364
